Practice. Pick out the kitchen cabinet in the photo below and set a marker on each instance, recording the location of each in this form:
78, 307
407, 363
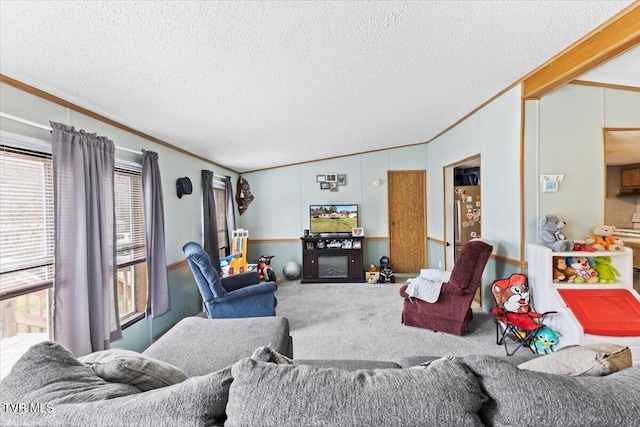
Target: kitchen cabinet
630, 176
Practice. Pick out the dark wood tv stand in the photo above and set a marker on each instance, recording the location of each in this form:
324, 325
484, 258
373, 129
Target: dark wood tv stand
333, 259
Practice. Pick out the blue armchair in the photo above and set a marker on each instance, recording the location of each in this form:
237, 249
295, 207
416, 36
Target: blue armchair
240, 295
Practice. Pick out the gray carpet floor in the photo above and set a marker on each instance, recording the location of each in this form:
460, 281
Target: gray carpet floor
362, 321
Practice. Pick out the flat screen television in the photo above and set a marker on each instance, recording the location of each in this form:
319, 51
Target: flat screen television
332, 218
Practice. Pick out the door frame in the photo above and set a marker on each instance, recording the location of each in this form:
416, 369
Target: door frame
449, 220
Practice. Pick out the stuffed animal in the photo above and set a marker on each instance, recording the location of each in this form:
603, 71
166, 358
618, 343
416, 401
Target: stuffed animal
582, 267
544, 341
607, 273
550, 234
561, 271
603, 239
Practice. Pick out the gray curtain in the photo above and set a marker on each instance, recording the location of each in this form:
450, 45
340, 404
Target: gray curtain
85, 311
230, 214
211, 245
157, 283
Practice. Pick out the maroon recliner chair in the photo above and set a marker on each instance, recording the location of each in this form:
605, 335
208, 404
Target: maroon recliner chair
451, 313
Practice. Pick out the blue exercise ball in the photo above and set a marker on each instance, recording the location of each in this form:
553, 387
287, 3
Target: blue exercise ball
292, 270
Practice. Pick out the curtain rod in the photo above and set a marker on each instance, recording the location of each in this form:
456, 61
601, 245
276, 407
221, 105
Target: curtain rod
48, 128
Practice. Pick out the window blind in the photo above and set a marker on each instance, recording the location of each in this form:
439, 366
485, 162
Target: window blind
26, 218
130, 238
221, 219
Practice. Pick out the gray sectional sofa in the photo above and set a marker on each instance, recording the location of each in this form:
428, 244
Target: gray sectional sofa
240, 372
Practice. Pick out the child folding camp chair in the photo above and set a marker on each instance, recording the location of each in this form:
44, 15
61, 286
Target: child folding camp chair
513, 315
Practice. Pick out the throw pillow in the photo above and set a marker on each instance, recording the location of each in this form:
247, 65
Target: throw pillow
197, 401
128, 367
267, 354
266, 394
48, 372
585, 360
48, 376
521, 397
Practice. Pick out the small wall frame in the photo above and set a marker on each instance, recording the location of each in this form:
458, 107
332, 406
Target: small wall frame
357, 232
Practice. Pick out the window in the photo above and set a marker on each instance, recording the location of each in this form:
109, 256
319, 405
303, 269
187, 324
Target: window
26, 251
27, 245
27, 241
219, 194
26, 219
131, 249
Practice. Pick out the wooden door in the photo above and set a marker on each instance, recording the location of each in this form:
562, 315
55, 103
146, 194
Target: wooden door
406, 201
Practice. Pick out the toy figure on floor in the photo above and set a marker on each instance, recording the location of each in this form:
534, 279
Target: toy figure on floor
265, 271
544, 341
386, 275
373, 278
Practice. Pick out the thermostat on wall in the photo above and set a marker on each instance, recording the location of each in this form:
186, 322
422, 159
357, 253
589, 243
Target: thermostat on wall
550, 183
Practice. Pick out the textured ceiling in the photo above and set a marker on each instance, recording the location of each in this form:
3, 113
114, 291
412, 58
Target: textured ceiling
253, 85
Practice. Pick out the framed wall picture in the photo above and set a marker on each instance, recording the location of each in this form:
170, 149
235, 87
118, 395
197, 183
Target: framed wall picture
342, 179
357, 232
332, 177
325, 185
321, 178
333, 186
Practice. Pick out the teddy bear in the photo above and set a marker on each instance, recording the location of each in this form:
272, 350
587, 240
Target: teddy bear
550, 234
603, 239
582, 267
607, 273
561, 271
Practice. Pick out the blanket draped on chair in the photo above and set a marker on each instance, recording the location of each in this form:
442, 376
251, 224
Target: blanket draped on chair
427, 285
